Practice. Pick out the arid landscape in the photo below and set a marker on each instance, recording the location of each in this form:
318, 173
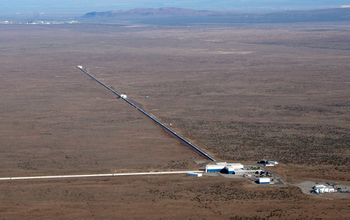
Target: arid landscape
240, 92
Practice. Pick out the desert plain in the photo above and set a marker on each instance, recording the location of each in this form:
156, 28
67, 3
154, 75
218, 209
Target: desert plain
240, 92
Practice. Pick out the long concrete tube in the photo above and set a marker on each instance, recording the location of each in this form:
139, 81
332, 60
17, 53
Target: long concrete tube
148, 115
96, 175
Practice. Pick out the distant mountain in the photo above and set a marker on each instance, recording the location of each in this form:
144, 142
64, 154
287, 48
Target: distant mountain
154, 12
206, 16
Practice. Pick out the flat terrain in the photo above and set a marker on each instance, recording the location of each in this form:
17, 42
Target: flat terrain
56, 120
244, 93
240, 92
168, 197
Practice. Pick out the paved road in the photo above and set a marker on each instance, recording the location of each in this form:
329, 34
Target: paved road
97, 175
148, 115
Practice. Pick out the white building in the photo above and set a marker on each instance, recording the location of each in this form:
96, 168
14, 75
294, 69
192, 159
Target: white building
268, 163
271, 163
214, 168
123, 96
246, 172
323, 189
194, 174
264, 180
227, 167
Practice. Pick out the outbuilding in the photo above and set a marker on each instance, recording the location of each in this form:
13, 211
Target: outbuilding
263, 161
271, 163
264, 180
243, 172
194, 174
323, 189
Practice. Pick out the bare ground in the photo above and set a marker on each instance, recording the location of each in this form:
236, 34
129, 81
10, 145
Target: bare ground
242, 93
167, 197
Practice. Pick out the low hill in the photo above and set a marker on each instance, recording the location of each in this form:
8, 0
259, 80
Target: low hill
181, 15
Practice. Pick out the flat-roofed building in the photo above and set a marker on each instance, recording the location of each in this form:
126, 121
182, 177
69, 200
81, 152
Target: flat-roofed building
194, 174
214, 168
323, 189
264, 180
224, 167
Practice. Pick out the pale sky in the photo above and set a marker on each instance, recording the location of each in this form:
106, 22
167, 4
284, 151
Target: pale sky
84, 6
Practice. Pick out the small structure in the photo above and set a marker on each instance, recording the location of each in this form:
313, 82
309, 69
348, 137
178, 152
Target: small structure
268, 163
123, 96
247, 172
80, 67
323, 189
263, 161
264, 180
271, 163
195, 174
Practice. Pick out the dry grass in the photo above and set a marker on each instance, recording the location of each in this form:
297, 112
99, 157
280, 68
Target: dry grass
241, 93
169, 197
55, 120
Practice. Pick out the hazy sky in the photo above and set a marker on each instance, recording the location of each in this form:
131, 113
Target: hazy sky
83, 6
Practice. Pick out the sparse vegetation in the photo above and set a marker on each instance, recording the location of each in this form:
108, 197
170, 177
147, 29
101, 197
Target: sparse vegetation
241, 92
